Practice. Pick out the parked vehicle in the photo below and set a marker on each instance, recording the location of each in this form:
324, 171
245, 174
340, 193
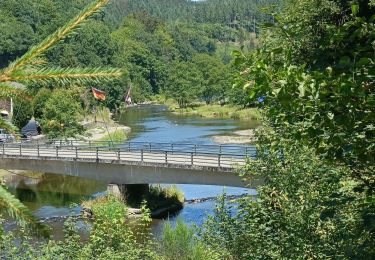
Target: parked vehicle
5, 137
31, 129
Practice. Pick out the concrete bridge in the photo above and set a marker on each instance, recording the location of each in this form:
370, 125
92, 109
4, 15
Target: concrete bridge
131, 162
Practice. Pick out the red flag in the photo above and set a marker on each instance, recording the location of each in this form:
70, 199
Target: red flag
98, 94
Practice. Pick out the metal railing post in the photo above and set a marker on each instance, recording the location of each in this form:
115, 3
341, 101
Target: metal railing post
172, 148
38, 150
76, 152
195, 149
128, 146
142, 155
150, 147
219, 160
192, 158
118, 154
97, 153
166, 157
20, 149
57, 151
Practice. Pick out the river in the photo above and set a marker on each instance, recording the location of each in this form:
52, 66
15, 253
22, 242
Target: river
50, 196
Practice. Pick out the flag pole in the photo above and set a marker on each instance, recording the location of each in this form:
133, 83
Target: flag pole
106, 127
100, 96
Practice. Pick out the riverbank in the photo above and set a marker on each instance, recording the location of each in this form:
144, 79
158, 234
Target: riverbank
104, 128
238, 137
114, 133
210, 111
218, 111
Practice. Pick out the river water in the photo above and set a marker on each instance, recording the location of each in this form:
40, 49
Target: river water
49, 195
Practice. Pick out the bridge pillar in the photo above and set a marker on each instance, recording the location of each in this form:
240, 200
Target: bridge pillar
131, 194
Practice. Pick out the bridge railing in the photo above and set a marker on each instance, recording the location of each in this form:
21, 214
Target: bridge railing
183, 154
248, 151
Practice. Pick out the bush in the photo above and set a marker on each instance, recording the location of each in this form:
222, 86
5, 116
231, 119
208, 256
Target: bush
61, 115
39, 102
306, 209
181, 243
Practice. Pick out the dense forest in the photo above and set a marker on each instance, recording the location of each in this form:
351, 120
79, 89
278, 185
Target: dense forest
153, 41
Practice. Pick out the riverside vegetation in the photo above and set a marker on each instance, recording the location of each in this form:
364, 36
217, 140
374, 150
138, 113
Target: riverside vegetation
314, 66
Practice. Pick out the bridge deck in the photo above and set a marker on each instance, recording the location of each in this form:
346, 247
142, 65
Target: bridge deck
219, 156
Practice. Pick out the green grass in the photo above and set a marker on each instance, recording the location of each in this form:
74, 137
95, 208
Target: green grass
117, 136
217, 111
163, 100
181, 243
108, 207
103, 114
163, 196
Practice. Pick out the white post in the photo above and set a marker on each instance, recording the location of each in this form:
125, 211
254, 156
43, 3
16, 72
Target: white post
11, 106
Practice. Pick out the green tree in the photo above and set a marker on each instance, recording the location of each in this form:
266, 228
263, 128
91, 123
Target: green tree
315, 152
183, 83
22, 112
216, 77
39, 102
61, 115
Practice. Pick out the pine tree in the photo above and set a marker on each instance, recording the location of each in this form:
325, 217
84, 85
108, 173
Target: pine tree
31, 68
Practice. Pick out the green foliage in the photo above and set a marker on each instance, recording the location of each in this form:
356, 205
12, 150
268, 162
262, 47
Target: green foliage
325, 96
90, 48
307, 209
39, 102
233, 14
110, 238
215, 78
10, 206
183, 83
160, 197
61, 115
15, 37
315, 152
22, 112
117, 136
219, 111
181, 243
27, 67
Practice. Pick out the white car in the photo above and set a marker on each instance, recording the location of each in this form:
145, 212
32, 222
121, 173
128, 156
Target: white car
5, 137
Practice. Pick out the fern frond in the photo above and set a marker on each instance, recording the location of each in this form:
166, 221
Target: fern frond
64, 76
11, 206
53, 39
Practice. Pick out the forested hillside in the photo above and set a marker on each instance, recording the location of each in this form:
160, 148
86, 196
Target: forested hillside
236, 14
153, 41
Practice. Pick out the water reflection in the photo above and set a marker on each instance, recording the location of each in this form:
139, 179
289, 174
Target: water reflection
52, 190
